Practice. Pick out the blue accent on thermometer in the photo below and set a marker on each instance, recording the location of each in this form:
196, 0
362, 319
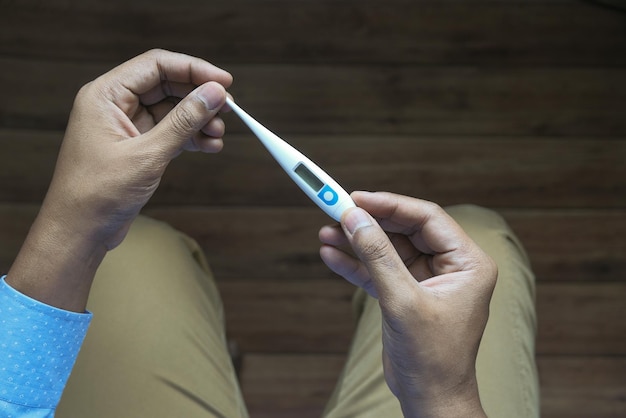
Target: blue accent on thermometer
319, 186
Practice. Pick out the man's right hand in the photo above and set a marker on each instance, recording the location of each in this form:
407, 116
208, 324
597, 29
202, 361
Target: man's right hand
433, 284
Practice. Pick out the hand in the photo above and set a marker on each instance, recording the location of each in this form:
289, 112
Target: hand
433, 284
124, 129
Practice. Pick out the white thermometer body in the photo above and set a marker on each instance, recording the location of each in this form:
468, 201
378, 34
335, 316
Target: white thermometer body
319, 186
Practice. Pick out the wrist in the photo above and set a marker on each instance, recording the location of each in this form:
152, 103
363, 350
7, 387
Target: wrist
462, 402
57, 263
448, 409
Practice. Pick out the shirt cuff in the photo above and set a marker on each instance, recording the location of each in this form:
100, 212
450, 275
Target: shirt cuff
39, 345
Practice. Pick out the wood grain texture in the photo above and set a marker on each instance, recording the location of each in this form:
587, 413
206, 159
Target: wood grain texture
364, 100
279, 296
581, 319
573, 386
284, 249
496, 172
314, 316
297, 316
301, 384
515, 105
582, 387
509, 33
281, 243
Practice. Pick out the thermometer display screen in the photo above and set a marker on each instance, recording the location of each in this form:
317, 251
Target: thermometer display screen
308, 177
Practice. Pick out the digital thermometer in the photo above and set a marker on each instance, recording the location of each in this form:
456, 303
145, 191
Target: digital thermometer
319, 186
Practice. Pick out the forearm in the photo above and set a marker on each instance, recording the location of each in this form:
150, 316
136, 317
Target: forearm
56, 263
123, 131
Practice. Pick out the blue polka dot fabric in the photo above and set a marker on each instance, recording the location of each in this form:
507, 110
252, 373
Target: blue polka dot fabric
38, 348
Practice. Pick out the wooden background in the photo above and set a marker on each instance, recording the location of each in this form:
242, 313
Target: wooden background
515, 105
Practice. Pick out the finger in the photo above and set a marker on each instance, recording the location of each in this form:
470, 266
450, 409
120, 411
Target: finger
144, 72
215, 128
145, 119
373, 247
348, 267
430, 229
208, 140
404, 247
226, 108
188, 118
428, 226
333, 235
153, 70
161, 109
203, 143
166, 89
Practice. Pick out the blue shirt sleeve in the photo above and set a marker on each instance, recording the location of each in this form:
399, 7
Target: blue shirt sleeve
38, 347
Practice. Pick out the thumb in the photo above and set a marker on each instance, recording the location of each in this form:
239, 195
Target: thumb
373, 247
189, 116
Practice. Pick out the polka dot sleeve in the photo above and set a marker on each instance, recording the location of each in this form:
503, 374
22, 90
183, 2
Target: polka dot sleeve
38, 348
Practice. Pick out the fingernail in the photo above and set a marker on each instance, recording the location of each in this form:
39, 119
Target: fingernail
213, 95
355, 219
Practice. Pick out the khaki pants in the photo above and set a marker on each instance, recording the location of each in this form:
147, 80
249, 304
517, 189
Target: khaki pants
157, 346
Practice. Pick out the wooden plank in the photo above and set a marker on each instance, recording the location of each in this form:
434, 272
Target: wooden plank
435, 101
276, 386
563, 246
582, 387
314, 316
281, 243
287, 293
497, 172
27, 159
300, 385
364, 100
522, 172
297, 316
577, 319
15, 222
425, 32
574, 246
